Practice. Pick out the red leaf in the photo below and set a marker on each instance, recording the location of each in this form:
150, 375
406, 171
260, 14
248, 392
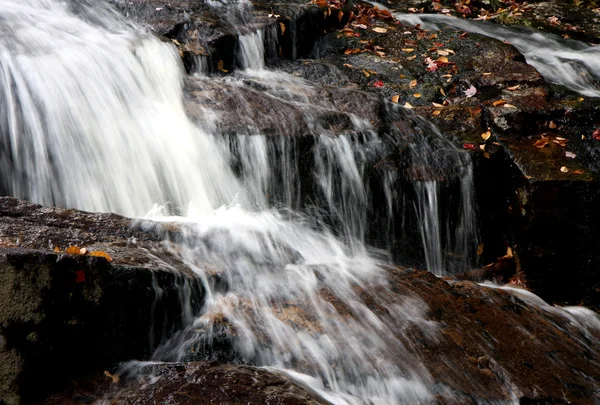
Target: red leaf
79, 276
378, 83
469, 146
596, 134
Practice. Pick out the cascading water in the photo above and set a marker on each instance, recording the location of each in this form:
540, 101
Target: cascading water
93, 117
571, 63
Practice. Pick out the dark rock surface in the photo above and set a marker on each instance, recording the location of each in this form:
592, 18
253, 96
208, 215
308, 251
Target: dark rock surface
190, 384
64, 315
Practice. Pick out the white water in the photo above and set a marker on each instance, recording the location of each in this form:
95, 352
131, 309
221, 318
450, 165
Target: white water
571, 63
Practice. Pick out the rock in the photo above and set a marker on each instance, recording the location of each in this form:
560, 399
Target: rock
190, 383
64, 315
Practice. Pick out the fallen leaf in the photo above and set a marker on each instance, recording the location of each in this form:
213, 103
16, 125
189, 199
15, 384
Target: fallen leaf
471, 91
469, 146
417, 95
340, 15
498, 102
486, 135
541, 143
436, 112
114, 378
438, 105
413, 83
513, 88
56, 249
442, 59
570, 155
412, 57
282, 26
408, 50
395, 98
407, 105
100, 253
482, 147
378, 83
443, 92
349, 66
73, 250
442, 52
367, 74
564, 169
380, 30
577, 172
552, 125
509, 106
509, 253
596, 134
480, 249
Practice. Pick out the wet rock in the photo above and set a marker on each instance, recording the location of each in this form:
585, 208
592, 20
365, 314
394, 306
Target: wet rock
64, 315
190, 383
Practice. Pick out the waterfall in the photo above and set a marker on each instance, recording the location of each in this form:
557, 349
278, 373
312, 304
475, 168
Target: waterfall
93, 117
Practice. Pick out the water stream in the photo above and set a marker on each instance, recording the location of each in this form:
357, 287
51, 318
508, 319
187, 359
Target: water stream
93, 117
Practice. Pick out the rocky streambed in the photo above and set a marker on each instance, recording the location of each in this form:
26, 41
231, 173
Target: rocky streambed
83, 293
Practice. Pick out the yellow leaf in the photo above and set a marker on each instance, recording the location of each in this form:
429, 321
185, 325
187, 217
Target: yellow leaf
486, 135
417, 95
480, 249
443, 59
564, 169
482, 147
443, 92
380, 30
413, 83
367, 74
395, 98
407, 105
282, 26
412, 57
408, 50
436, 112
100, 253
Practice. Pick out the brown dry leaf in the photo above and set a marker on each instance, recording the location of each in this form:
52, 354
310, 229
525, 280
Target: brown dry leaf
114, 378
513, 88
509, 253
509, 106
367, 74
450, 51
480, 249
352, 51
380, 54
564, 169
541, 143
73, 250
100, 253
443, 92
482, 147
380, 30
395, 98
417, 95
221, 66
498, 102
412, 57
413, 83
442, 52
486, 135
577, 172
552, 125
442, 59
408, 50
349, 66
438, 105
282, 26
486, 74
436, 112
340, 15
486, 155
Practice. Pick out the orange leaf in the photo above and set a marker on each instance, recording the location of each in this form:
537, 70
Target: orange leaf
541, 143
498, 102
395, 98
100, 253
73, 250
